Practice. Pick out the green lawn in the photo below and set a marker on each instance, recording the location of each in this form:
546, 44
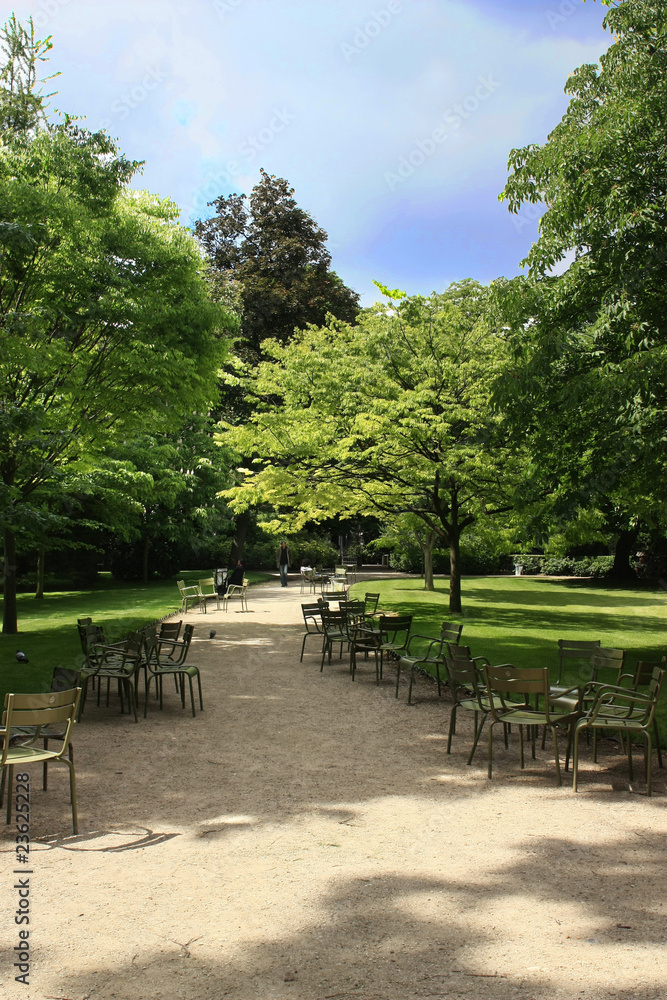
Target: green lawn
47, 628
518, 620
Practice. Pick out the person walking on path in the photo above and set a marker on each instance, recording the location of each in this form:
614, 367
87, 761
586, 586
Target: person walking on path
283, 562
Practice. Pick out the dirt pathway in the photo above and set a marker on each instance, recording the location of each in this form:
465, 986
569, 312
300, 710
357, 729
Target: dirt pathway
309, 838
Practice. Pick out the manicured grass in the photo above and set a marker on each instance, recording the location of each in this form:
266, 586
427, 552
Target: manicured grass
518, 620
47, 628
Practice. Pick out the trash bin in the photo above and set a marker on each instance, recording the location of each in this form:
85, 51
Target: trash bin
385, 559
518, 569
221, 580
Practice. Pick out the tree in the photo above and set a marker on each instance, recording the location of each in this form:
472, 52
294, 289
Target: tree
274, 254
269, 262
590, 347
106, 321
390, 416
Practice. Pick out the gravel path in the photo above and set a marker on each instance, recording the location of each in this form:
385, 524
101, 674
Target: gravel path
309, 838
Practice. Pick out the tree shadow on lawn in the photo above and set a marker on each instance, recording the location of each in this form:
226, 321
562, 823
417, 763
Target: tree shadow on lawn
479, 934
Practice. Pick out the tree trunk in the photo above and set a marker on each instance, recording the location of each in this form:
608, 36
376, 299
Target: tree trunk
39, 586
238, 542
625, 546
9, 621
144, 559
454, 570
427, 542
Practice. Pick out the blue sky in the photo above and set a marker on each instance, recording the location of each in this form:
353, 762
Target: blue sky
392, 119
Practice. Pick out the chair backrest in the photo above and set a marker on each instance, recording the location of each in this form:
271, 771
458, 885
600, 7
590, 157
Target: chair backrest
170, 630
65, 679
516, 685
208, 585
655, 684
643, 674
451, 631
332, 596
607, 659
353, 607
458, 651
371, 601
576, 649
395, 625
39, 710
181, 585
333, 620
312, 614
465, 678
92, 636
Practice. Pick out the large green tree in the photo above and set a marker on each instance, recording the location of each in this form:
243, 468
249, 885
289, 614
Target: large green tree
106, 323
390, 416
588, 384
270, 264
275, 255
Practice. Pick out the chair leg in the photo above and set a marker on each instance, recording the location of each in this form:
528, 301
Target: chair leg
437, 677
146, 693
201, 703
412, 675
630, 774
560, 779
656, 737
452, 727
478, 733
2, 786
521, 746
575, 759
490, 750
72, 793
648, 761
192, 696
45, 776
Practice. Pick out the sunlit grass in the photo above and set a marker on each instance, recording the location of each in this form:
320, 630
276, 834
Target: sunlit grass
518, 620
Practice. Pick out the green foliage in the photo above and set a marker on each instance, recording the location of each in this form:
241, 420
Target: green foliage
272, 254
389, 416
107, 329
590, 347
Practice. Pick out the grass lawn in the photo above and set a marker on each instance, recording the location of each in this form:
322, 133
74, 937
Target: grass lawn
518, 620
47, 628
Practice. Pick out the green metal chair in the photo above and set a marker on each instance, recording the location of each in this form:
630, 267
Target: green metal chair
208, 592
630, 712
312, 620
465, 678
40, 712
395, 631
509, 691
159, 666
189, 595
334, 628
120, 663
236, 590
600, 659
421, 651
